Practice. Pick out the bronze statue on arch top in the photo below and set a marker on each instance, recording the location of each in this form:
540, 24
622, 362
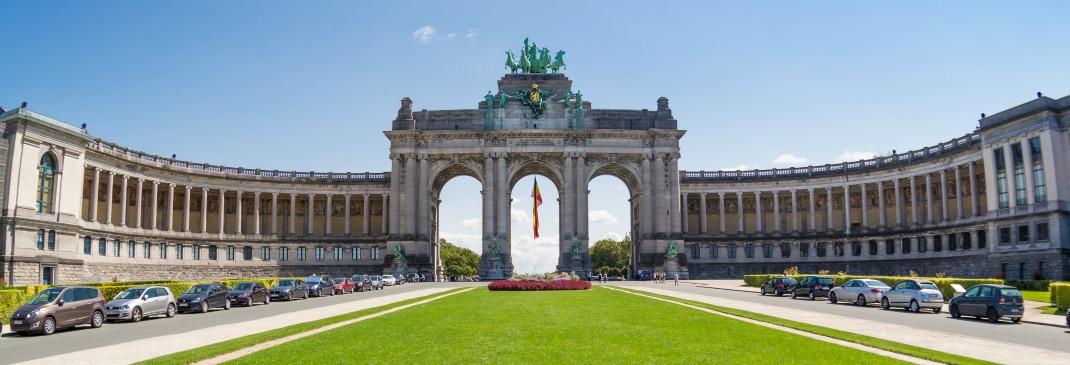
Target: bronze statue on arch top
534, 59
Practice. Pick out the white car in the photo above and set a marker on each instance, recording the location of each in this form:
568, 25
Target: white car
859, 292
389, 280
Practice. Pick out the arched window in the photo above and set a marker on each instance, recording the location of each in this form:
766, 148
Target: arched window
46, 181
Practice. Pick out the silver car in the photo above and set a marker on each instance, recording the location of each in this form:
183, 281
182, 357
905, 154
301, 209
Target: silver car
859, 292
139, 302
914, 295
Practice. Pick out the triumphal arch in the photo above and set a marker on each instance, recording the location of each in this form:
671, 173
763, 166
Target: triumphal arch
535, 123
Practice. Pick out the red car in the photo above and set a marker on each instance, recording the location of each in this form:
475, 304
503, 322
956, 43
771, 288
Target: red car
343, 285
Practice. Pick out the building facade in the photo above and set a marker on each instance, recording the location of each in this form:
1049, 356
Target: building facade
77, 208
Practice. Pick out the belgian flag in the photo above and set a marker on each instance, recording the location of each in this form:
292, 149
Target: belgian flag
538, 201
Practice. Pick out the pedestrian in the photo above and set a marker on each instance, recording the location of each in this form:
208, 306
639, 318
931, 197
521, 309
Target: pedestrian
676, 279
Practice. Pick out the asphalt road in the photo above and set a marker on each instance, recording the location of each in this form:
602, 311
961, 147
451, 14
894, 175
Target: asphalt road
15, 348
1035, 335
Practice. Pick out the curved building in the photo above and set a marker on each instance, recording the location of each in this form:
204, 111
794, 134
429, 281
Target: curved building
78, 208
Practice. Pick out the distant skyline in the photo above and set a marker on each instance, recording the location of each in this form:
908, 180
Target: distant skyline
271, 85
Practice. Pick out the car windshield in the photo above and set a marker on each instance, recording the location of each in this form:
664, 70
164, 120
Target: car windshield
929, 286
286, 283
374, 277
790, 281
339, 281
1008, 292
875, 283
198, 289
824, 281
130, 293
46, 296
313, 280
244, 286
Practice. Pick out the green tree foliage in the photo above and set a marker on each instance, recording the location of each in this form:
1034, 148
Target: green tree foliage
611, 256
458, 260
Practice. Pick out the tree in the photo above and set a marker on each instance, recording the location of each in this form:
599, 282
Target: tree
611, 256
458, 260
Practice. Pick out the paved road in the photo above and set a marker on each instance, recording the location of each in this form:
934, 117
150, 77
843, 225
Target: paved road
1046, 337
14, 348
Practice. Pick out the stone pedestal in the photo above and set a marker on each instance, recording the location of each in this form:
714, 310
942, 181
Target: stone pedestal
494, 269
400, 268
577, 267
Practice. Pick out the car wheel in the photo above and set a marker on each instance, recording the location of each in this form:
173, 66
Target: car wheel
332, 292
832, 298
937, 310
249, 302
861, 300
267, 299
914, 307
290, 297
98, 319
763, 291
226, 305
171, 310
993, 316
777, 292
49, 327
306, 295
204, 306
135, 315
884, 304
955, 311
794, 295
811, 295
1016, 320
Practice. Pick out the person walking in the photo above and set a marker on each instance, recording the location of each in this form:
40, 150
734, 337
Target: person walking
676, 279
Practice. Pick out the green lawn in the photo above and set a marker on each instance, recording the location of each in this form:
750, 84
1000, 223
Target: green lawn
1036, 296
556, 327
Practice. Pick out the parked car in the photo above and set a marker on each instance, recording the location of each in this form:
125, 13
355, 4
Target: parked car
400, 279
59, 307
389, 280
414, 278
137, 303
914, 295
343, 285
377, 282
289, 289
778, 286
249, 292
202, 297
645, 275
812, 287
1068, 318
319, 285
360, 283
991, 301
859, 291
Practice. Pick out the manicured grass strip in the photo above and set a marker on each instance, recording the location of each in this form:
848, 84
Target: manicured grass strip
879, 343
597, 326
1036, 296
217, 349
1051, 309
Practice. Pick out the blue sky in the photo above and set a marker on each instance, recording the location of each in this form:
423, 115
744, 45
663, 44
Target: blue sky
294, 85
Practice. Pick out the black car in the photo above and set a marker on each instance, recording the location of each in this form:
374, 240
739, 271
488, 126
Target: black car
812, 287
248, 293
778, 286
320, 285
289, 289
414, 278
202, 297
361, 282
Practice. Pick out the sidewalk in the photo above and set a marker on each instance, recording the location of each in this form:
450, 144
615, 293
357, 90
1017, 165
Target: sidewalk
162, 345
1033, 315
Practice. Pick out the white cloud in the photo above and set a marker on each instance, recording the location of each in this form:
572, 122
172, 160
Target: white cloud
743, 167
601, 216
851, 156
539, 254
472, 34
472, 223
614, 236
520, 216
788, 159
451, 36
425, 34
470, 241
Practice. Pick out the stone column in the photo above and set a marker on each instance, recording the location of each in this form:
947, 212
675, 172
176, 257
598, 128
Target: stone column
684, 221
646, 201
387, 209
423, 225
502, 215
329, 216
975, 201
883, 213
958, 194
367, 214
929, 198
829, 220
794, 211
238, 214
702, 207
1012, 183
275, 213
813, 211
411, 214
138, 201
310, 215
108, 200
395, 190
776, 211
1027, 168
204, 210
847, 208
123, 203
581, 196
347, 230
675, 217
720, 212
94, 195
488, 194
660, 209
759, 212
913, 201
222, 212
256, 213
865, 209
170, 215
185, 208
293, 214
155, 202
740, 212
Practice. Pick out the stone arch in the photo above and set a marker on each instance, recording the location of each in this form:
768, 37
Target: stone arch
536, 167
444, 172
627, 173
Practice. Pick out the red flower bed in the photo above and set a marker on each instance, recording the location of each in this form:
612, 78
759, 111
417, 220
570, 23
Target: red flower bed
539, 285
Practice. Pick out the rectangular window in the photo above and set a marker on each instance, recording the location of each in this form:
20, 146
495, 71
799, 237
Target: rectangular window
938, 243
732, 250
785, 250
1042, 232
856, 248
179, 248
713, 252
87, 247
1001, 178
1023, 234
375, 252
247, 252
320, 253
873, 247
1040, 192
130, 248
748, 250
41, 239
196, 252
923, 246
51, 240
265, 253
103, 247
148, 250
1004, 235
952, 242
300, 254
118, 247
230, 253
213, 252
338, 254
905, 245
982, 239
355, 253
767, 250
284, 253
163, 250
804, 249
1019, 174
821, 250
889, 246
967, 241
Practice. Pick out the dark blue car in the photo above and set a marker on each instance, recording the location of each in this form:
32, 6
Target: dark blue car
990, 301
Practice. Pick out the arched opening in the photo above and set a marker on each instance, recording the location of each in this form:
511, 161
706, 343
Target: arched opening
531, 254
456, 219
46, 183
610, 225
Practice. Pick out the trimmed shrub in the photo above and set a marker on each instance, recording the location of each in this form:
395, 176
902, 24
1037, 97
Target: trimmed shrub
1060, 295
10, 300
539, 285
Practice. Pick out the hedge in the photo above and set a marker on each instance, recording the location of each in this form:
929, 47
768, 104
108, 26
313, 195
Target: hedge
11, 300
1060, 295
943, 283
